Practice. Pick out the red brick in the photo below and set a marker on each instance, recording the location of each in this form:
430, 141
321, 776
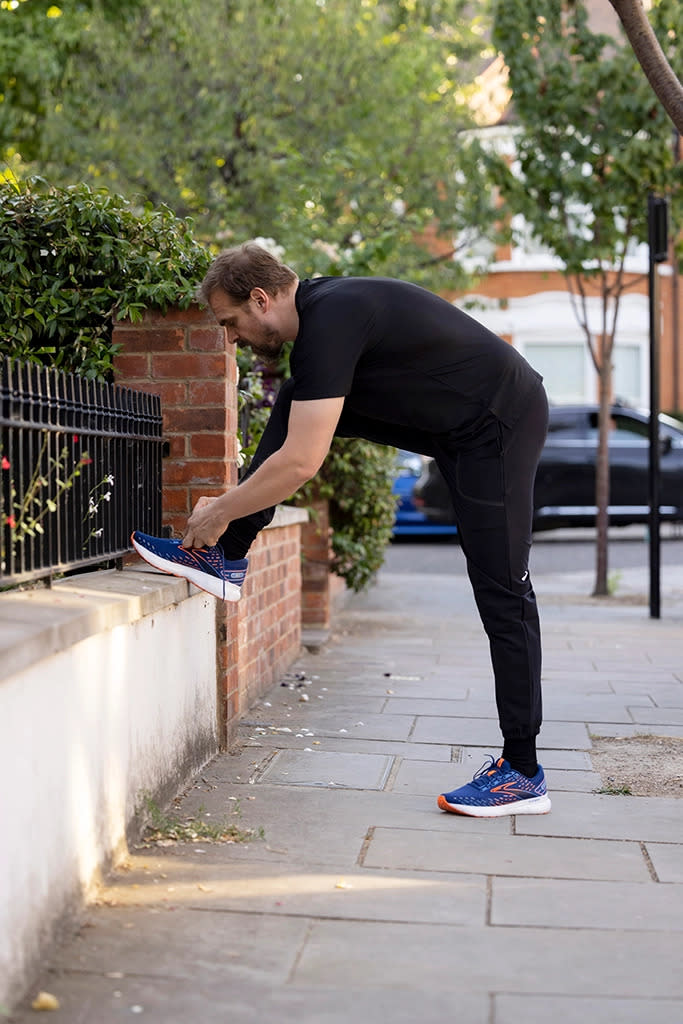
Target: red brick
177, 444
194, 471
208, 392
128, 366
207, 339
210, 446
188, 365
192, 421
176, 499
151, 339
131, 339
232, 706
176, 522
173, 392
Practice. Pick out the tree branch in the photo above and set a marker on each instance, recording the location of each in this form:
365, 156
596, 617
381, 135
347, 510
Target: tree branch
651, 58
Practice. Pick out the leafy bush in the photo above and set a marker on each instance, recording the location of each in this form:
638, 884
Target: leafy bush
73, 259
356, 478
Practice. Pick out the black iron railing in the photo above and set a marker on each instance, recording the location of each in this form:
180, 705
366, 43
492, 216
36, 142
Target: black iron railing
80, 469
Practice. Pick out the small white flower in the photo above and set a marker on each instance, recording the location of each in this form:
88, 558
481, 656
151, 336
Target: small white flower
107, 496
109, 480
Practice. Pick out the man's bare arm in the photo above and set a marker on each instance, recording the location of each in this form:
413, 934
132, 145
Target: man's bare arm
309, 436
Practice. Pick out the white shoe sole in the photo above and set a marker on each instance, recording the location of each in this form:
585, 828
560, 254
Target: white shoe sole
219, 588
535, 805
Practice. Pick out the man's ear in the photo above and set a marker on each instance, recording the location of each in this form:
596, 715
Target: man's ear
261, 298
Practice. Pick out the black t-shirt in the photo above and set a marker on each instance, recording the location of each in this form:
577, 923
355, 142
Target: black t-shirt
401, 355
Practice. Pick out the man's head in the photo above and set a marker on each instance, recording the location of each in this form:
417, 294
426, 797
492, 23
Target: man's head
237, 271
251, 293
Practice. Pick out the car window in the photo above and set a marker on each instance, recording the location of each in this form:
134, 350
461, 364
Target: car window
625, 428
564, 425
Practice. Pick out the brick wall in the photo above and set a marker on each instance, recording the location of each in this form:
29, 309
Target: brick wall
183, 356
260, 628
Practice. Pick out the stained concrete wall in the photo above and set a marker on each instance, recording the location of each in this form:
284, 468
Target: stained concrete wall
108, 692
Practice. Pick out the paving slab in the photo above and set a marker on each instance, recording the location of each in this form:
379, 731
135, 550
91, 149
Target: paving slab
621, 731
540, 1009
644, 819
481, 732
538, 856
667, 860
282, 699
315, 825
658, 716
600, 963
432, 751
290, 890
607, 708
554, 903
663, 695
184, 943
405, 686
328, 768
324, 722
93, 999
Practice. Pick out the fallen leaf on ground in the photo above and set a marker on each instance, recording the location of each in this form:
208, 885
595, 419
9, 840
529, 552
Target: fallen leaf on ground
45, 1001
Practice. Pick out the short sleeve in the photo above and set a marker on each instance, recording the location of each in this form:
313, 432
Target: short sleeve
333, 335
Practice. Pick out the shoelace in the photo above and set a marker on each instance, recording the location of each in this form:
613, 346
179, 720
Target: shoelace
481, 778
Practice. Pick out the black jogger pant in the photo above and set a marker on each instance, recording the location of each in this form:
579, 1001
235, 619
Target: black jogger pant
491, 478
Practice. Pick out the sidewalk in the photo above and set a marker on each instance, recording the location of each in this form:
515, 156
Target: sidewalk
364, 902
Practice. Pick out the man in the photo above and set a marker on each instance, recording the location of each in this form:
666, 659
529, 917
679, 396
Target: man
391, 362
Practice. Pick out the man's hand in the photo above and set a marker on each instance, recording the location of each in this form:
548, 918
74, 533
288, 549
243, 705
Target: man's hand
310, 431
205, 525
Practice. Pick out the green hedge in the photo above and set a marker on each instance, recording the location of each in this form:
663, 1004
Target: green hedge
73, 259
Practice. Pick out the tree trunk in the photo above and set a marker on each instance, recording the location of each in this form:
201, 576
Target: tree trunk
651, 58
602, 479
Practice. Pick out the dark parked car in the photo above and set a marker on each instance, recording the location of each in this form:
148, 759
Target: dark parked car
564, 494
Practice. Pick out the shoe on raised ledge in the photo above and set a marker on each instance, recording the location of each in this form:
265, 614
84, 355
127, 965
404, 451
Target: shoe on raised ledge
498, 789
207, 568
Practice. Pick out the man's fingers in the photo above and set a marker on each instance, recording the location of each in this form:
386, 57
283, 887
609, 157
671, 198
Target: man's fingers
203, 502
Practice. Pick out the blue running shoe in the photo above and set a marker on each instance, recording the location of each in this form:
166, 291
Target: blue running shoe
205, 567
498, 789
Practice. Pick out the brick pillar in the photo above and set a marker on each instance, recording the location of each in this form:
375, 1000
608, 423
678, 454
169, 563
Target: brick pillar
315, 570
182, 355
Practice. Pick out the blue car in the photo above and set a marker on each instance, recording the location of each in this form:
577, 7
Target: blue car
409, 519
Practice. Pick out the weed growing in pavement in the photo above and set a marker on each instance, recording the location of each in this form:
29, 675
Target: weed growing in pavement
613, 789
613, 582
165, 828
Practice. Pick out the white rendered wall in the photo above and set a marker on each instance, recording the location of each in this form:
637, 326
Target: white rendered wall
85, 733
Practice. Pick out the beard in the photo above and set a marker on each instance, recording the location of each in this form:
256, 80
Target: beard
268, 348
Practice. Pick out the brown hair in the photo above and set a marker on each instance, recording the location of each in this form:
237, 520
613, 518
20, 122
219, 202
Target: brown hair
237, 271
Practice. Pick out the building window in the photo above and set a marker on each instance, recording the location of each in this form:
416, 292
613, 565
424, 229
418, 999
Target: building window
563, 368
627, 374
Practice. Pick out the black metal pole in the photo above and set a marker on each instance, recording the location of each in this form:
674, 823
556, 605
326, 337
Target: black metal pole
658, 245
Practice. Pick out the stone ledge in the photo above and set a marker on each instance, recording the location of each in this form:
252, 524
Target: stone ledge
288, 515
35, 624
